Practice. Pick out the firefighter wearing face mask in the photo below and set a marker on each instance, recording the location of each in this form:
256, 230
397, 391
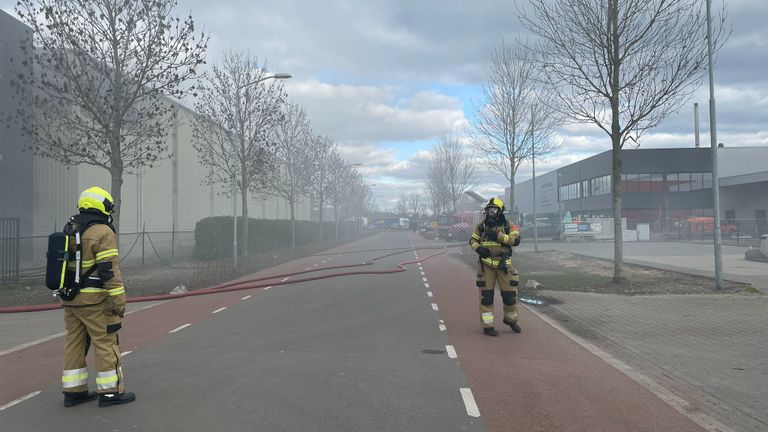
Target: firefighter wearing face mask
493, 240
94, 304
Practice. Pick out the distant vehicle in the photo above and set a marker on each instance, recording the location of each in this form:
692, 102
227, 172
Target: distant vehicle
404, 223
457, 226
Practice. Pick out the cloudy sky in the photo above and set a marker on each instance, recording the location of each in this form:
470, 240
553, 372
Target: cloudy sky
386, 79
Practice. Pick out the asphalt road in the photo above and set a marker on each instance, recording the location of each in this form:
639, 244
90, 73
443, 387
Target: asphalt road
395, 352
355, 353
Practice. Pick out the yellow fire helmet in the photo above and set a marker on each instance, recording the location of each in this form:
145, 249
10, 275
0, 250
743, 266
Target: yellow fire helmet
495, 202
98, 199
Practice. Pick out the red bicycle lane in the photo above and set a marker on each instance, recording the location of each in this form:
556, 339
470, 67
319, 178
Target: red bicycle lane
538, 380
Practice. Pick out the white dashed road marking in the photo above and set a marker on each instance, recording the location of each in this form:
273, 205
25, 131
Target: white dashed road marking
285, 279
267, 287
424, 279
469, 402
426, 285
434, 306
125, 353
429, 293
19, 400
180, 328
219, 310
442, 327
451, 351
246, 297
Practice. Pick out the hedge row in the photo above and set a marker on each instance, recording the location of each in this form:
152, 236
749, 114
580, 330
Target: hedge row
213, 235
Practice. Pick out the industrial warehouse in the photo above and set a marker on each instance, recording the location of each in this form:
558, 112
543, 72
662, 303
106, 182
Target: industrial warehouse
667, 190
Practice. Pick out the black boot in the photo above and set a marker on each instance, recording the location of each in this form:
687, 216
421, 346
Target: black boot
73, 398
490, 331
513, 325
107, 399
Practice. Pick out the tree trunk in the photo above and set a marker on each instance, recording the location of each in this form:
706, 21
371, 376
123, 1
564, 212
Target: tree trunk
116, 174
321, 217
618, 253
336, 217
293, 223
511, 203
244, 202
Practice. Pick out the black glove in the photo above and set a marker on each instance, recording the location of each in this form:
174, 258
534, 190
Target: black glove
119, 310
492, 235
483, 251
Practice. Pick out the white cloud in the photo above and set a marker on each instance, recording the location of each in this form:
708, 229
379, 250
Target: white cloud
348, 113
430, 100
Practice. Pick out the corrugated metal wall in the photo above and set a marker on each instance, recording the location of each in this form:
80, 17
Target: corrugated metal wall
146, 199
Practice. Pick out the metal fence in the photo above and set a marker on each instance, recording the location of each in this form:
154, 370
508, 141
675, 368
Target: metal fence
146, 247
9, 249
732, 230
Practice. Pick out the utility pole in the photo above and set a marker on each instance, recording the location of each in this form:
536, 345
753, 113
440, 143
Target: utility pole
533, 163
713, 142
696, 123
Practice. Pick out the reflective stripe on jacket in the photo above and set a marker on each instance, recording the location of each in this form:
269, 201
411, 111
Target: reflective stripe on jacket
501, 246
99, 250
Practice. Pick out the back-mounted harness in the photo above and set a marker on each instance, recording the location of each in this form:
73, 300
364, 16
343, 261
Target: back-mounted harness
58, 276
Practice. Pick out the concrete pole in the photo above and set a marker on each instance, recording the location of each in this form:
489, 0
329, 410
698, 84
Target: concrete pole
696, 123
175, 179
713, 142
234, 211
533, 163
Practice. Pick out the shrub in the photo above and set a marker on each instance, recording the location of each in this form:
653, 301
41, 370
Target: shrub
213, 235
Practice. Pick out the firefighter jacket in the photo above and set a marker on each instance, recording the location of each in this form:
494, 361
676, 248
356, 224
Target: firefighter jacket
501, 248
100, 273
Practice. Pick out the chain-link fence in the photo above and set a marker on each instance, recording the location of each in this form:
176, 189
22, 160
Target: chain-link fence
746, 231
10, 259
146, 247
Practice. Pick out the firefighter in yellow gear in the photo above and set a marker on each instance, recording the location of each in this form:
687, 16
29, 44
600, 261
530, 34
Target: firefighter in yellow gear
94, 309
492, 240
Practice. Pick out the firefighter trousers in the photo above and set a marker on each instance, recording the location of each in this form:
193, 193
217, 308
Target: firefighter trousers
92, 325
508, 282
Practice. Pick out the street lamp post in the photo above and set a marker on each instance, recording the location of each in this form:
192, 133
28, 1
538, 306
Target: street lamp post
235, 173
713, 141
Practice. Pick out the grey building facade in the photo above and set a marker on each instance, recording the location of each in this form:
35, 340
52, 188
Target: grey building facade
661, 187
15, 164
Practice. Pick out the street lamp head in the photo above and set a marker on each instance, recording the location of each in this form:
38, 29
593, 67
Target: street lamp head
264, 78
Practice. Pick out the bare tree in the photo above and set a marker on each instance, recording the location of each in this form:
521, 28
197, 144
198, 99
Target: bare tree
321, 169
436, 187
402, 205
415, 201
623, 66
454, 166
339, 185
100, 72
290, 180
232, 132
355, 195
511, 113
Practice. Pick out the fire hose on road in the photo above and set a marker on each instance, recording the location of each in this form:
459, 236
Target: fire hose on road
260, 282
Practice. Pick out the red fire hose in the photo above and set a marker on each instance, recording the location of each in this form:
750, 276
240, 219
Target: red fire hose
253, 283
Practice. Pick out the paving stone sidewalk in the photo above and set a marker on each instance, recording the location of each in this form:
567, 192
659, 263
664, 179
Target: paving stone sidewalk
710, 350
